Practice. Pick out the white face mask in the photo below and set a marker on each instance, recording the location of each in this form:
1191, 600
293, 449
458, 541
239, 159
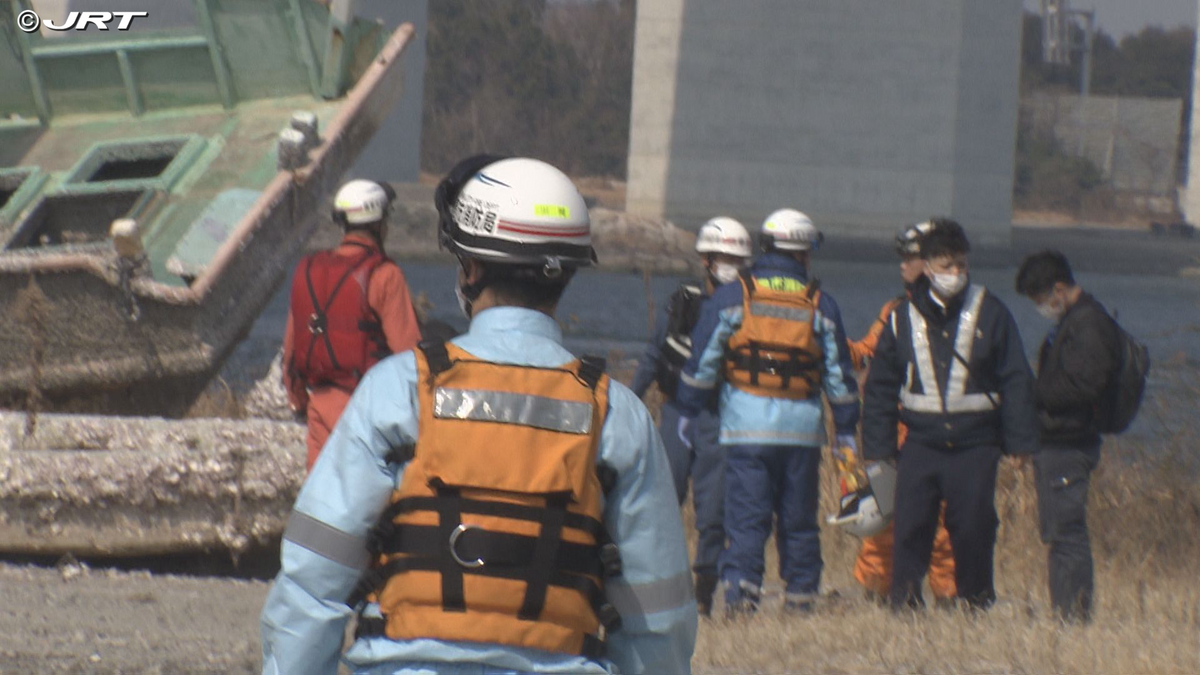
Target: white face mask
947, 285
1051, 311
463, 303
725, 273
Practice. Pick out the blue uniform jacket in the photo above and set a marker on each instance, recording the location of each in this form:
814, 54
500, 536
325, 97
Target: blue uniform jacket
323, 551
747, 419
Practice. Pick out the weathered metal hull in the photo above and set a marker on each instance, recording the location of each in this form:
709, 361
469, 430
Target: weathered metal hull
68, 340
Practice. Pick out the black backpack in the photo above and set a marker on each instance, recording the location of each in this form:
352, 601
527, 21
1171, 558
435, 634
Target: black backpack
1127, 386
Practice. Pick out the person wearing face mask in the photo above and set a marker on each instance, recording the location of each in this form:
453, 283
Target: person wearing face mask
951, 367
491, 503
873, 567
1076, 366
766, 348
350, 307
724, 246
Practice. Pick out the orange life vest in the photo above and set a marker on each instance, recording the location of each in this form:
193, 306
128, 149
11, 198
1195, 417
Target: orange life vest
776, 353
495, 532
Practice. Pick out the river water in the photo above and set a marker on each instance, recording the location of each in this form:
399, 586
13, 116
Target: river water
607, 312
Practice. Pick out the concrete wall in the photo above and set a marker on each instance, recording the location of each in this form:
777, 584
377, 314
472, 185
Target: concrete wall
1134, 141
865, 114
1190, 197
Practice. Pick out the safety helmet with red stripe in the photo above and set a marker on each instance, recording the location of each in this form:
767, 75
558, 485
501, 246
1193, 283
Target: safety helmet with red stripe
514, 211
724, 235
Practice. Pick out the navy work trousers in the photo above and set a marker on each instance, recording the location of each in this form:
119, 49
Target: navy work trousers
1062, 475
762, 481
704, 462
966, 480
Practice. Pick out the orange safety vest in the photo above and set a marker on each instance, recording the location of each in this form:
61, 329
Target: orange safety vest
776, 353
495, 532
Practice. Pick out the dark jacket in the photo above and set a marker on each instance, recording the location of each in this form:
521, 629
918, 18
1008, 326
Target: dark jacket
1075, 370
997, 369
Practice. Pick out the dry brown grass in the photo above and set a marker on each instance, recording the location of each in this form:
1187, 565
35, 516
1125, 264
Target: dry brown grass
1144, 517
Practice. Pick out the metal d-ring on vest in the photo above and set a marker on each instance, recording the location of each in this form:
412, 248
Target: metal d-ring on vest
956, 400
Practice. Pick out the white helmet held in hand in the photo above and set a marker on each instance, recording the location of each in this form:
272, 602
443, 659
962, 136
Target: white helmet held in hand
867, 511
724, 235
517, 211
361, 202
790, 230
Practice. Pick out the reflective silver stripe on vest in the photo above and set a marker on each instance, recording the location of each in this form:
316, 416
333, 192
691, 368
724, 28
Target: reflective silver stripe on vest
684, 350
957, 399
695, 383
571, 417
778, 312
656, 596
327, 541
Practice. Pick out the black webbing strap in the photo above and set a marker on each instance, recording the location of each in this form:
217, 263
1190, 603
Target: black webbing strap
368, 627
794, 366
436, 355
545, 555
749, 279
591, 369
494, 548
401, 454
449, 518
321, 310
755, 363
593, 648
574, 520
375, 579
607, 476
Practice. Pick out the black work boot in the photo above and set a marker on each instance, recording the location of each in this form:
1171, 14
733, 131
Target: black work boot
706, 585
742, 599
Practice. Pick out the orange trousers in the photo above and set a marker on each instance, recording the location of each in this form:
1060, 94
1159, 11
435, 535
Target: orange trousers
873, 569
325, 406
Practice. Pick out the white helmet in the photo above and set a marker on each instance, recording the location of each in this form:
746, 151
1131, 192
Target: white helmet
518, 211
790, 230
724, 235
908, 241
868, 510
361, 202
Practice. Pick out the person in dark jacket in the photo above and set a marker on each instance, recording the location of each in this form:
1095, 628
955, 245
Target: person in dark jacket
1076, 365
951, 367
693, 450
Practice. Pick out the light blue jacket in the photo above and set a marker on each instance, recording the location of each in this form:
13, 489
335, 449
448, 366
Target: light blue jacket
748, 419
323, 551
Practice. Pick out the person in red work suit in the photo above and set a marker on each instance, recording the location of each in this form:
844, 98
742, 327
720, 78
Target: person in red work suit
350, 307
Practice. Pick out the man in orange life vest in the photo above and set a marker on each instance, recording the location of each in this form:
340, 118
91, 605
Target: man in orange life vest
873, 568
350, 307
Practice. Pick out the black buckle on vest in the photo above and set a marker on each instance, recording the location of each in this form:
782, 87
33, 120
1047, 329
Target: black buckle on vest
591, 369
317, 323
610, 558
436, 356
609, 617
607, 476
593, 648
370, 626
401, 455
378, 535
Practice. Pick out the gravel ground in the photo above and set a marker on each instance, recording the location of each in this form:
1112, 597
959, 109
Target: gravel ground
73, 619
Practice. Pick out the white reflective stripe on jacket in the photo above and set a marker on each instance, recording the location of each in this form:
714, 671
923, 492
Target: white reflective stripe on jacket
956, 399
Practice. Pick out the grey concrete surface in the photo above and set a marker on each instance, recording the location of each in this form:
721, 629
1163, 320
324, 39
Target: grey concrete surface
1134, 141
861, 113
